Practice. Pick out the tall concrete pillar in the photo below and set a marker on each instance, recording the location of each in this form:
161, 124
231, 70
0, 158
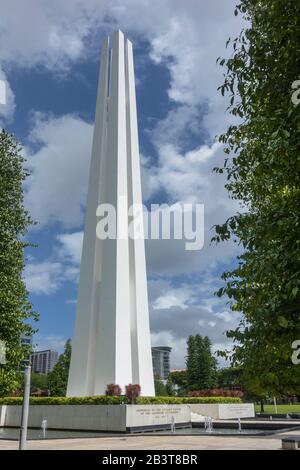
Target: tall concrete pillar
111, 343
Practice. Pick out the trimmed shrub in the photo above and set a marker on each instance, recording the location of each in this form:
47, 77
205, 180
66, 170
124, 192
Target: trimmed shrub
96, 400
113, 390
185, 400
216, 392
109, 400
159, 400
133, 391
212, 400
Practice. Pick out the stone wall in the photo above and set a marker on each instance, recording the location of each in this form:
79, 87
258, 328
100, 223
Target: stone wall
121, 418
98, 417
223, 411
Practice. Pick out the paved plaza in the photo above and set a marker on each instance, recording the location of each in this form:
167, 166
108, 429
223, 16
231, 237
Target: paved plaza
167, 442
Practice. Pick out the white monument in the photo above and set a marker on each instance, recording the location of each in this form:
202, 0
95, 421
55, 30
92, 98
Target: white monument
112, 336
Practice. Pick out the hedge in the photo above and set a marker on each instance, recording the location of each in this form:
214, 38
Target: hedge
96, 400
110, 400
186, 400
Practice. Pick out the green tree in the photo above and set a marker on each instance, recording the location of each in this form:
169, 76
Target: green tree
39, 381
58, 377
179, 378
191, 362
262, 163
169, 387
15, 308
229, 377
159, 386
200, 363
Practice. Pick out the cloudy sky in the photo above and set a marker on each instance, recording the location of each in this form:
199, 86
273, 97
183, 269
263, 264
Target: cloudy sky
49, 59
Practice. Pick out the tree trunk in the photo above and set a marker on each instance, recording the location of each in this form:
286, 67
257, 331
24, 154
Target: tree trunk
262, 409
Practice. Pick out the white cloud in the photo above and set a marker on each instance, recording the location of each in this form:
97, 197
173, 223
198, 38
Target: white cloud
70, 246
64, 32
53, 35
53, 342
200, 313
56, 189
44, 277
7, 100
163, 295
48, 276
227, 317
172, 298
165, 338
195, 36
186, 37
189, 177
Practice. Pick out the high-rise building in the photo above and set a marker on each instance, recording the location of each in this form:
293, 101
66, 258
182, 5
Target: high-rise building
161, 361
112, 336
43, 362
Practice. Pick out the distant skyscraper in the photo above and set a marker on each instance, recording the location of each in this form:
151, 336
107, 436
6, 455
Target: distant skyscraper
112, 336
43, 362
161, 361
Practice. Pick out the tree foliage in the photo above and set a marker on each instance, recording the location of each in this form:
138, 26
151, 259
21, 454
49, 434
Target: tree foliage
159, 386
15, 308
58, 377
200, 363
39, 381
229, 377
262, 163
179, 378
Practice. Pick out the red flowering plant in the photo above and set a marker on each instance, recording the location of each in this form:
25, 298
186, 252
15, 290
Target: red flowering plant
113, 390
132, 392
216, 392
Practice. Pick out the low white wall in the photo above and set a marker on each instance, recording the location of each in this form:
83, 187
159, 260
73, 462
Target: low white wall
81, 417
97, 417
2, 415
223, 411
236, 410
157, 415
120, 417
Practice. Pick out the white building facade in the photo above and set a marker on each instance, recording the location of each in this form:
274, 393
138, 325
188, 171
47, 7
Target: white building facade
43, 362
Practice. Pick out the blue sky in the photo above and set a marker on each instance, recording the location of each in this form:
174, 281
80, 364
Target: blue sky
49, 60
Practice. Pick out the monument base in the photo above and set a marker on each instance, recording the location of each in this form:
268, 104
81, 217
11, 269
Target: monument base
222, 410
110, 418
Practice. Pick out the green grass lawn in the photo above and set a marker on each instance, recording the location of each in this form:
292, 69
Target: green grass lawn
280, 408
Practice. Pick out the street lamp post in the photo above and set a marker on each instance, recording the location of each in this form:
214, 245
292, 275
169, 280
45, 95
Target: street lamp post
25, 409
